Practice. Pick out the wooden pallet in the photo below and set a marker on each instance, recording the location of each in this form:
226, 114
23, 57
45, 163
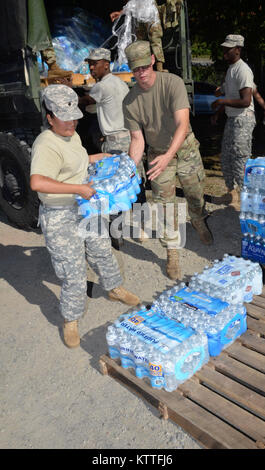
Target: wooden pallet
223, 405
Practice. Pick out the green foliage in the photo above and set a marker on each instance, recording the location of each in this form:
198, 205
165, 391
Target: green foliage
211, 20
208, 74
200, 49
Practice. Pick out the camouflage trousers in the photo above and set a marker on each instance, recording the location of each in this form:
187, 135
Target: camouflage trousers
236, 148
188, 166
152, 33
69, 253
119, 141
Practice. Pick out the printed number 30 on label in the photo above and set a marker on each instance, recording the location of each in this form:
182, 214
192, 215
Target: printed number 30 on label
155, 369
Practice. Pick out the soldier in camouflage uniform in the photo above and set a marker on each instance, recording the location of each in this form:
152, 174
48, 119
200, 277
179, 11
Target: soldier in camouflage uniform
151, 32
39, 38
108, 94
158, 105
58, 169
239, 108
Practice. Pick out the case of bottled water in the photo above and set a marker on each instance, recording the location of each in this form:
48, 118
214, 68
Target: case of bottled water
233, 279
220, 321
161, 349
252, 210
117, 184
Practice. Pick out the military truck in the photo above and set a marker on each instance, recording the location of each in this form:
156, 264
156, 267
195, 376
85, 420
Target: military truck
21, 115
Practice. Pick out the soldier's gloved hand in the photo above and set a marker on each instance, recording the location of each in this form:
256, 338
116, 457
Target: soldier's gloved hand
86, 191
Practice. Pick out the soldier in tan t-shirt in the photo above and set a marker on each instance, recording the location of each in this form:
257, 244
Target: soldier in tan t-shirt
59, 167
158, 105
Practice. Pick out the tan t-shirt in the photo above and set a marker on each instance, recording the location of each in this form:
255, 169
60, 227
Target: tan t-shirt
61, 158
153, 110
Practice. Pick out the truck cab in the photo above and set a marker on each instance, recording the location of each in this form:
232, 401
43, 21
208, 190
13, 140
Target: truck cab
21, 82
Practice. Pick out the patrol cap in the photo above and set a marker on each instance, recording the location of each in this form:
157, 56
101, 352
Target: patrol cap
99, 54
138, 54
62, 101
233, 40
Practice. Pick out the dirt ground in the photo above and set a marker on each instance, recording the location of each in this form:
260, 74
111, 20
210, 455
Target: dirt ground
56, 398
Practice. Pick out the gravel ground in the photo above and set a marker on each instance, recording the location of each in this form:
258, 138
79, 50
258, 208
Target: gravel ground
56, 398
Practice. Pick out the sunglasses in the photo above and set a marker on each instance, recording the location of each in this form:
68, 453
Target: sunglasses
142, 68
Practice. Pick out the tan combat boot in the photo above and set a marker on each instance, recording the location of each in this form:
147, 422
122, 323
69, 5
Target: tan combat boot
71, 334
159, 67
56, 72
204, 233
173, 269
122, 295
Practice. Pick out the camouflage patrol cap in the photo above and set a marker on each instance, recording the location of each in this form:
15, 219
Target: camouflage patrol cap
99, 54
62, 101
138, 54
233, 40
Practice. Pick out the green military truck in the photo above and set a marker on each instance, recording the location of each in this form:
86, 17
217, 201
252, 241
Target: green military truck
23, 32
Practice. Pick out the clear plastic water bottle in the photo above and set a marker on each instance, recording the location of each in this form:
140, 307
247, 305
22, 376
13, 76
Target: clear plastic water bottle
242, 220
245, 199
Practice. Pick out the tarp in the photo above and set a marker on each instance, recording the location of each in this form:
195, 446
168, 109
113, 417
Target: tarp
13, 25
39, 36
22, 23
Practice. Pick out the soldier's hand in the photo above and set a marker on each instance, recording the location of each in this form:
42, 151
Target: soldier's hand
114, 15
86, 191
215, 104
99, 156
159, 164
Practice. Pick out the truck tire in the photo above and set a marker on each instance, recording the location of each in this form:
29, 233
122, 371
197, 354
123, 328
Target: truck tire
18, 202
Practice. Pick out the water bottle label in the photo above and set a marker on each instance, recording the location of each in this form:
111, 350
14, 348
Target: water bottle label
199, 301
155, 370
253, 165
136, 319
253, 252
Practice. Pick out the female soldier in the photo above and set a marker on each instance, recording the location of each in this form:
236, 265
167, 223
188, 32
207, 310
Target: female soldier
58, 168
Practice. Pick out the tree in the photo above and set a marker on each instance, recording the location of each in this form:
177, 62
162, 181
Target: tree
211, 20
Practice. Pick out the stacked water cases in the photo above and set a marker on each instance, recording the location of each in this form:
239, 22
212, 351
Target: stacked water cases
220, 321
161, 349
117, 184
252, 210
185, 325
232, 279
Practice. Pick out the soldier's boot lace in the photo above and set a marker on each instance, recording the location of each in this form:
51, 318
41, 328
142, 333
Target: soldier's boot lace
120, 294
71, 334
203, 231
173, 268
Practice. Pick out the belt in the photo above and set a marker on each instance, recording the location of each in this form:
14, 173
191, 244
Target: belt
190, 138
45, 206
116, 134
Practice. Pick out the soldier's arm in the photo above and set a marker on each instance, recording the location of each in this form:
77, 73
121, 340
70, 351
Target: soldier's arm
137, 145
243, 102
44, 184
259, 98
85, 100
